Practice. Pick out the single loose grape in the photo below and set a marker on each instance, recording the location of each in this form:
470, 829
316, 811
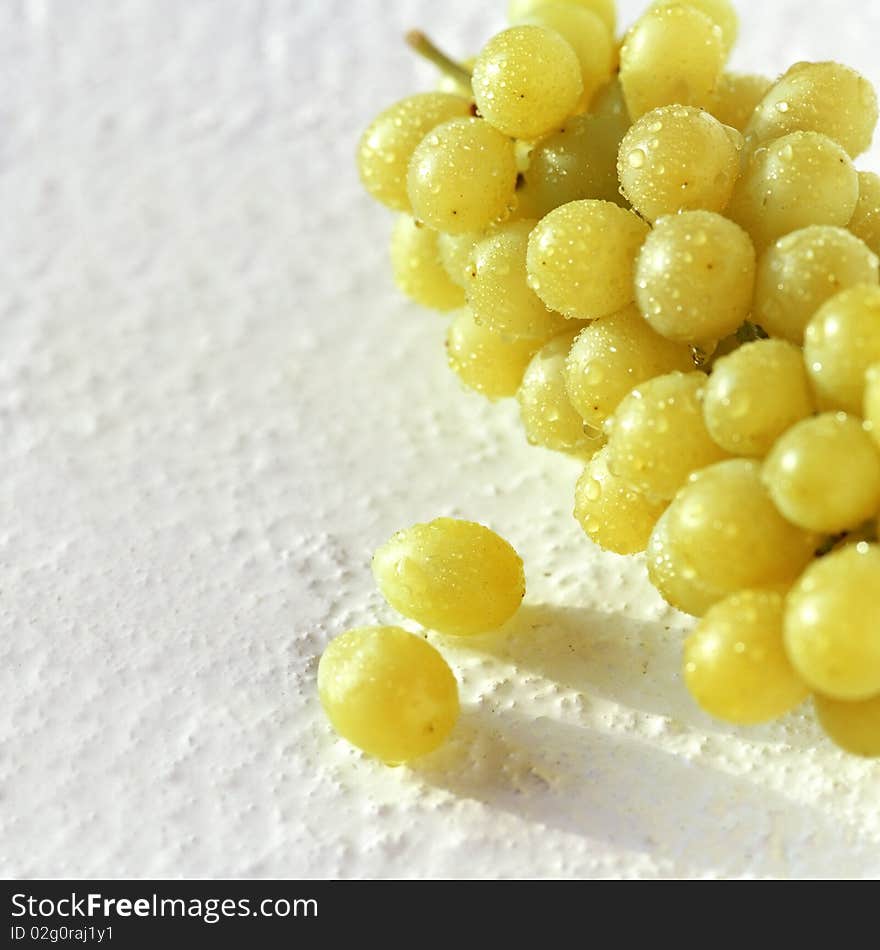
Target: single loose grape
526, 81
855, 727
389, 141
735, 664
840, 343
736, 97
455, 254
388, 692
802, 270
818, 97
824, 473
486, 361
456, 577
677, 158
613, 515
695, 277
613, 355
462, 176
581, 258
739, 415
606, 10
658, 437
671, 55
865, 222
832, 624
721, 12
417, 269
794, 181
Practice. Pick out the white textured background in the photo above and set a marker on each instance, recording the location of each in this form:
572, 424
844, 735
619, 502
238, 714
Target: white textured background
213, 405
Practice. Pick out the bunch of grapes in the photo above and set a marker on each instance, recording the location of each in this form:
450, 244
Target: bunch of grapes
674, 269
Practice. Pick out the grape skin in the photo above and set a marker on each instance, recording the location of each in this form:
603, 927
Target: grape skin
720, 12
736, 97
417, 268
855, 727
865, 222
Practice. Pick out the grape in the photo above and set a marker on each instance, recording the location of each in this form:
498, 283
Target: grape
855, 727
389, 141
871, 412
800, 179
678, 158
609, 103
735, 664
497, 288
462, 176
455, 254
818, 97
802, 270
832, 618
736, 97
457, 577
865, 222
485, 361
581, 258
613, 355
695, 276
824, 474
612, 514
388, 692
840, 343
606, 10
738, 414
658, 437
671, 55
417, 269
526, 81
721, 12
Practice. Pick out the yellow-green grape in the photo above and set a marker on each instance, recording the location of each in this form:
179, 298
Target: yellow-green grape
526, 81
581, 258
832, 618
855, 727
871, 411
658, 437
824, 473
547, 414
735, 664
417, 269
609, 103
818, 97
388, 692
456, 577
613, 355
613, 515
802, 270
671, 55
840, 343
695, 277
736, 97
739, 415
606, 10
455, 254
865, 222
678, 158
497, 288
721, 12
462, 176
487, 362
800, 179
389, 141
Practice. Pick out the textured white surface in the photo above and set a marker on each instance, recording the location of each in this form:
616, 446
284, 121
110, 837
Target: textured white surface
214, 405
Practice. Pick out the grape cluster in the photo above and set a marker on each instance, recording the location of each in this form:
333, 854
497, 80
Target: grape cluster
674, 269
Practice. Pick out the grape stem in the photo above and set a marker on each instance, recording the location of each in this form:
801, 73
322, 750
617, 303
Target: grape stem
418, 41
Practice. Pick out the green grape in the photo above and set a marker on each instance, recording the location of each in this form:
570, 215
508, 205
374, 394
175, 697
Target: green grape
735, 665
803, 270
389, 141
824, 473
721, 12
840, 343
612, 514
673, 55
695, 277
855, 727
658, 437
738, 413
609, 103
527, 80
497, 288
462, 176
832, 616
487, 362
677, 158
457, 577
865, 222
871, 410
818, 97
417, 269
606, 10
613, 355
455, 254
736, 97
794, 181
581, 258
388, 692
